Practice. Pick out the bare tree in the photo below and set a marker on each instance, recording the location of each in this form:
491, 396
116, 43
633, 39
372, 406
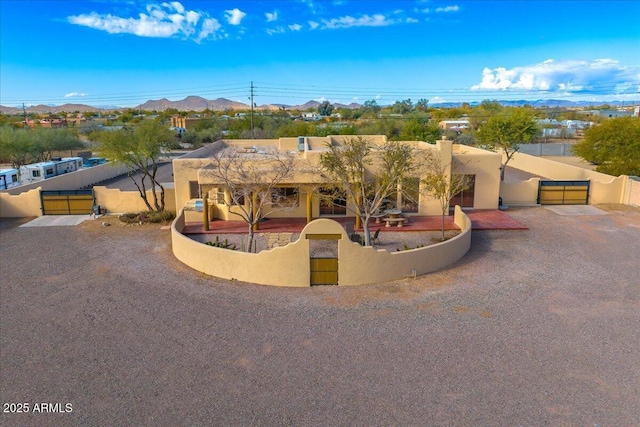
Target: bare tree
367, 174
252, 181
442, 183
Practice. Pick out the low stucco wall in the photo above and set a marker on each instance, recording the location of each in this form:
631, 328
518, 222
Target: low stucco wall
290, 265
21, 205
27, 204
632, 192
604, 188
282, 266
117, 201
523, 193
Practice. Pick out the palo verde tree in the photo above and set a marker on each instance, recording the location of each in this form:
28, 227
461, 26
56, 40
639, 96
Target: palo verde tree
139, 150
506, 132
613, 145
441, 182
367, 173
251, 181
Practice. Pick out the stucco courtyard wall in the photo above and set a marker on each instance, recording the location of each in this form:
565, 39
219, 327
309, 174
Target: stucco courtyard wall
604, 188
290, 265
27, 204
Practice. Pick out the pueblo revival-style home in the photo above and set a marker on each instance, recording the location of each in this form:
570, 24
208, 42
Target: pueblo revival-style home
193, 178
206, 187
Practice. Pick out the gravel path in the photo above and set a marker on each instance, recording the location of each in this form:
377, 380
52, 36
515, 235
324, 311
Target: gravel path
537, 327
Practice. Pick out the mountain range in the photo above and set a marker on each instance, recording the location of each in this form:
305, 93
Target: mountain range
197, 103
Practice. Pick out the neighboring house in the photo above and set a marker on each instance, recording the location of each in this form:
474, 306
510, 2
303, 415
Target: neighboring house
454, 125
183, 122
192, 180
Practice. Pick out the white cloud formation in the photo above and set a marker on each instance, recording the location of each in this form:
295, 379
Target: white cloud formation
234, 16
75, 95
313, 25
272, 16
601, 76
454, 8
295, 27
164, 20
377, 20
411, 21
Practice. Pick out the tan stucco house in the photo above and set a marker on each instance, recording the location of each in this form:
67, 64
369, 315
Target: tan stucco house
192, 180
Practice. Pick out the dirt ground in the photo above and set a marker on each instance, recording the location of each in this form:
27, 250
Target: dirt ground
536, 327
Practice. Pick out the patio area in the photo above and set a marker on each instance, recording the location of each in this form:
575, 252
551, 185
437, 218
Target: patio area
481, 220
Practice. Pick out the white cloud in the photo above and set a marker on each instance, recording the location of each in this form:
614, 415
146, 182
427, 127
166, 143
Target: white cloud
75, 95
164, 20
273, 16
313, 25
601, 76
411, 20
276, 30
447, 9
234, 16
377, 20
436, 100
295, 27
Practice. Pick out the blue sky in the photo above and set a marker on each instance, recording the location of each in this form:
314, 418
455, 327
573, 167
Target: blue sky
124, 52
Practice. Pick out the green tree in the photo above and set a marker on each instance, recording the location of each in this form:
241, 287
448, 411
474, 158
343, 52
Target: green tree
417, 130
368, 173
402, 107
505, 132
370, 106
325, 109
422, 105
613, 145
139, 150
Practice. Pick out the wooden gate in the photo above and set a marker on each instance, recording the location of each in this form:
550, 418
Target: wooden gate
563, 192
324, 271
67, 202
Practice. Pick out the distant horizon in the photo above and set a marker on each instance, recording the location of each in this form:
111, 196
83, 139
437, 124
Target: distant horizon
125, 52
539, 103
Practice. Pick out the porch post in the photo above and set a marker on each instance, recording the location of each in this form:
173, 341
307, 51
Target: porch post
254, 211
205, 210
399, 196
309, 207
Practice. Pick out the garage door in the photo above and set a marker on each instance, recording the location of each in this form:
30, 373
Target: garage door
563, 193
67, 202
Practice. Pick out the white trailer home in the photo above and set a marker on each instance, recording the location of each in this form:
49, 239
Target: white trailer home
37, 171
68, 164
9, 178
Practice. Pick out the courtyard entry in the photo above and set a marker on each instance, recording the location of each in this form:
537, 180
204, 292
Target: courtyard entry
323, 250
563, 192
67, 202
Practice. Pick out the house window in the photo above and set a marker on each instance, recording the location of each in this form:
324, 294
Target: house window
333, 201
285, 196
465, 198
35, 174
220, 196
237, 198
194, 190
49, 172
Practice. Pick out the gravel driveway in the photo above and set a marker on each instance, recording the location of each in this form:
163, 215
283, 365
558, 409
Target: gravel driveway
537, 327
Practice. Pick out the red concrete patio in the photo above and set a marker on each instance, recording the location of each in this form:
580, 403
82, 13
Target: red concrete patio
481, 220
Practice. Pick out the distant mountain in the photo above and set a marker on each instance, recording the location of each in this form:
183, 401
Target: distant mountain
193, 103
197, 103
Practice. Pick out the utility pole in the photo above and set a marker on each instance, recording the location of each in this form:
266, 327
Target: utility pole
252, 109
